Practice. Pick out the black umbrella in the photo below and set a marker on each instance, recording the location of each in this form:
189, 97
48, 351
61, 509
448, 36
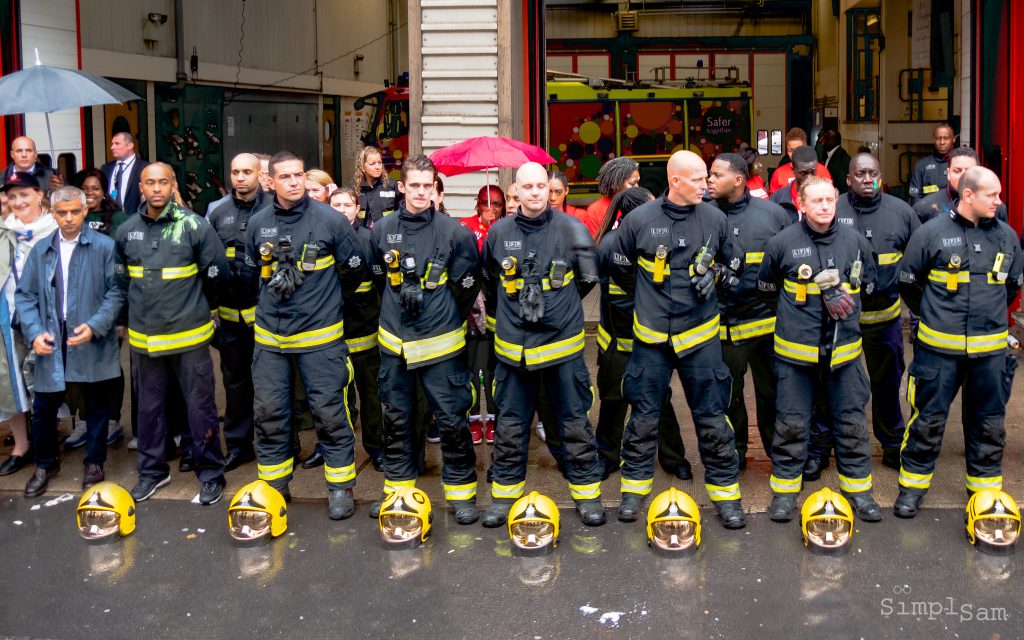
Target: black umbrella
47, 89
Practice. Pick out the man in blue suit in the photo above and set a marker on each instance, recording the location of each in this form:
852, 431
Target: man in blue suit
124, 172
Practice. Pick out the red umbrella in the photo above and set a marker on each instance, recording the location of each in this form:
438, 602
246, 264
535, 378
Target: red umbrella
486, 152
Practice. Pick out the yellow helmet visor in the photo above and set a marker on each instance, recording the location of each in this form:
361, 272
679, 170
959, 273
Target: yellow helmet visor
996, 534
674, 536
401, 529
828, 535
249, 527
99, 525
532, 537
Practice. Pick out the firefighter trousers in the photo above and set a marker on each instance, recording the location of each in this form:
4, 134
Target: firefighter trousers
367, 412
844, 392
193, 373
933, 382
325, 375
516, 393
759, 355
236, 343
449, 393
706, 384
611, 420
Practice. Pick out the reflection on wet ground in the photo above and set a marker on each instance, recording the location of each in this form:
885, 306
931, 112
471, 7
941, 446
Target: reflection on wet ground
178, 574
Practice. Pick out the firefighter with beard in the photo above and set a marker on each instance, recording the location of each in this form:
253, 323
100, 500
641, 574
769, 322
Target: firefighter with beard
303, 260
677, 247
537, 267
887, 223
747, 322
959, 274
431, 268
814, 272
237, 311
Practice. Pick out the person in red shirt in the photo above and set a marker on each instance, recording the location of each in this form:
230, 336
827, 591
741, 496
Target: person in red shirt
490, 204
559, 192
803, 166
783, 174
618, 174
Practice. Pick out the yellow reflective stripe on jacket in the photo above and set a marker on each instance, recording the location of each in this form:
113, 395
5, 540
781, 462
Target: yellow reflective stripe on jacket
882, 315
460, 491
785, 485
136, 271
364, 287
748, 330
648, 266
697, 335
624, 345
176, 273
791, 286
301, 340
170, 341
796, 351
340, 474
644, 334
424, 349
615, 290
991, 279
321, 263
236, 315
954, 342
915, 480
854, 485
364, 343
941, 277
546, 282
604, 339
499, 490
274, 471
754, 257
229, 252
846, 352
718, 493
975, 483
590, 491
886, 259
492, 324
642, 487
542, 354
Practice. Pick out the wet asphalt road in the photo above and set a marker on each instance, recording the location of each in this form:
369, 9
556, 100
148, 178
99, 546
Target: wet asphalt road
178, 576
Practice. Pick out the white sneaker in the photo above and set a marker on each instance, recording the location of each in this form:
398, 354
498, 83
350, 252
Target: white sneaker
133, 444
540, 432
77, 437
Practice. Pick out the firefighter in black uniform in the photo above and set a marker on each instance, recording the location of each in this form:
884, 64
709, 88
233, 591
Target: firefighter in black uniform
805, 165
378, 195
747, 322
538, 265
303, 259
167, 258
432, 277
677, 248
237, 310
929, 174
614, 344
362, 315
943, 201
959, 274
887, 223
814, 271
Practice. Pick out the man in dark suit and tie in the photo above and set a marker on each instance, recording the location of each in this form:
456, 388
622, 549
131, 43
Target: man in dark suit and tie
124, 172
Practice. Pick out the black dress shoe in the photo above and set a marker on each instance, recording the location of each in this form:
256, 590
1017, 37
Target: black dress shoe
187, 462
681, 470
36, 485
730, 513
782, 507
236, 458
13, 463
591, 512
814, 466
313, 461
865, 506
378, 464
497, 514
629, 508
891, 457
376, 505
906, 504
340, 504
93, 474
465, 511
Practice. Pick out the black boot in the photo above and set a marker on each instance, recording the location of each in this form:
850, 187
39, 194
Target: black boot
465, 511
906, 504
591, 512
782, 507
340, 504
814, 466
865, 506
497, 514
629, 508
730, 512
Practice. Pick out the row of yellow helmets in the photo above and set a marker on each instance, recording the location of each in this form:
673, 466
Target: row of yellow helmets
258, 513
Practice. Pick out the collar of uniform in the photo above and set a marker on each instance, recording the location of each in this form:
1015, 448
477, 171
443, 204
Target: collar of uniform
864, 205
366, 188
964, 222
735, 207
423, 217
248, 204
533, 224
951, 193
675, 211
297, 209
171, 212
819, 236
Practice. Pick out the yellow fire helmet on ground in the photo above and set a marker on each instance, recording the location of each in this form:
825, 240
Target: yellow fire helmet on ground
256, 514
826, 519
533, 525
673, 524
405, 518
105, 513
993, 521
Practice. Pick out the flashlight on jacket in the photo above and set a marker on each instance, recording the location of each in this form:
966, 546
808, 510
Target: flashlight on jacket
997, 268
509, 264
394, 275
660, 257
803, 274
856, 271
953, 276
266, 258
